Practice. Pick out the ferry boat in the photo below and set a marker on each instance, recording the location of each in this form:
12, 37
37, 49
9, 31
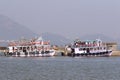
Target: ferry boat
89, 48
36, 47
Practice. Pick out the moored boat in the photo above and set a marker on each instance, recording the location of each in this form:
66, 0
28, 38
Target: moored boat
89, 48
36, 47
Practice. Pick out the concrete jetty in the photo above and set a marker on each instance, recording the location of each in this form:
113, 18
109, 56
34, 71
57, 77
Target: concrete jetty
116, 53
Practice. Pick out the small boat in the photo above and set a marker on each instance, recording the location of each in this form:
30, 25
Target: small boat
89, 48
36, 47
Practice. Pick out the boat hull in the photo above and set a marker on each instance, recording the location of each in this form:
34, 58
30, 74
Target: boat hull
97, 54
33, 54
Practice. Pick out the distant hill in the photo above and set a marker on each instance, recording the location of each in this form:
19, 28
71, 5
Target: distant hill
10, 30
96, 36
56, 39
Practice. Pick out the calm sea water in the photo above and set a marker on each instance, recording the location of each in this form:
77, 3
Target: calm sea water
60, 68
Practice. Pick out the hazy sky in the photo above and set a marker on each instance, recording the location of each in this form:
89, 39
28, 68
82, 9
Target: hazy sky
71, 18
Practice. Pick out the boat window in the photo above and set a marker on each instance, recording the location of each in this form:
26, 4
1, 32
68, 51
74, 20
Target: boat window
42, 52
20, 48
28, 48
51, 51
94, 48
84, 49
47, 52
98, 48
104, 48
80, 48
35, 47
91, 48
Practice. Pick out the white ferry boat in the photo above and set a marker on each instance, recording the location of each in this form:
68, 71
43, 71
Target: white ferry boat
36, 47
89, 48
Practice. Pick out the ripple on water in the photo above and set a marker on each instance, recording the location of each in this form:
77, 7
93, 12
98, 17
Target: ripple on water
60, 68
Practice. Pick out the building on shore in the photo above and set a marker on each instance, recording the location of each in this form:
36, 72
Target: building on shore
3, 46
112, 45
